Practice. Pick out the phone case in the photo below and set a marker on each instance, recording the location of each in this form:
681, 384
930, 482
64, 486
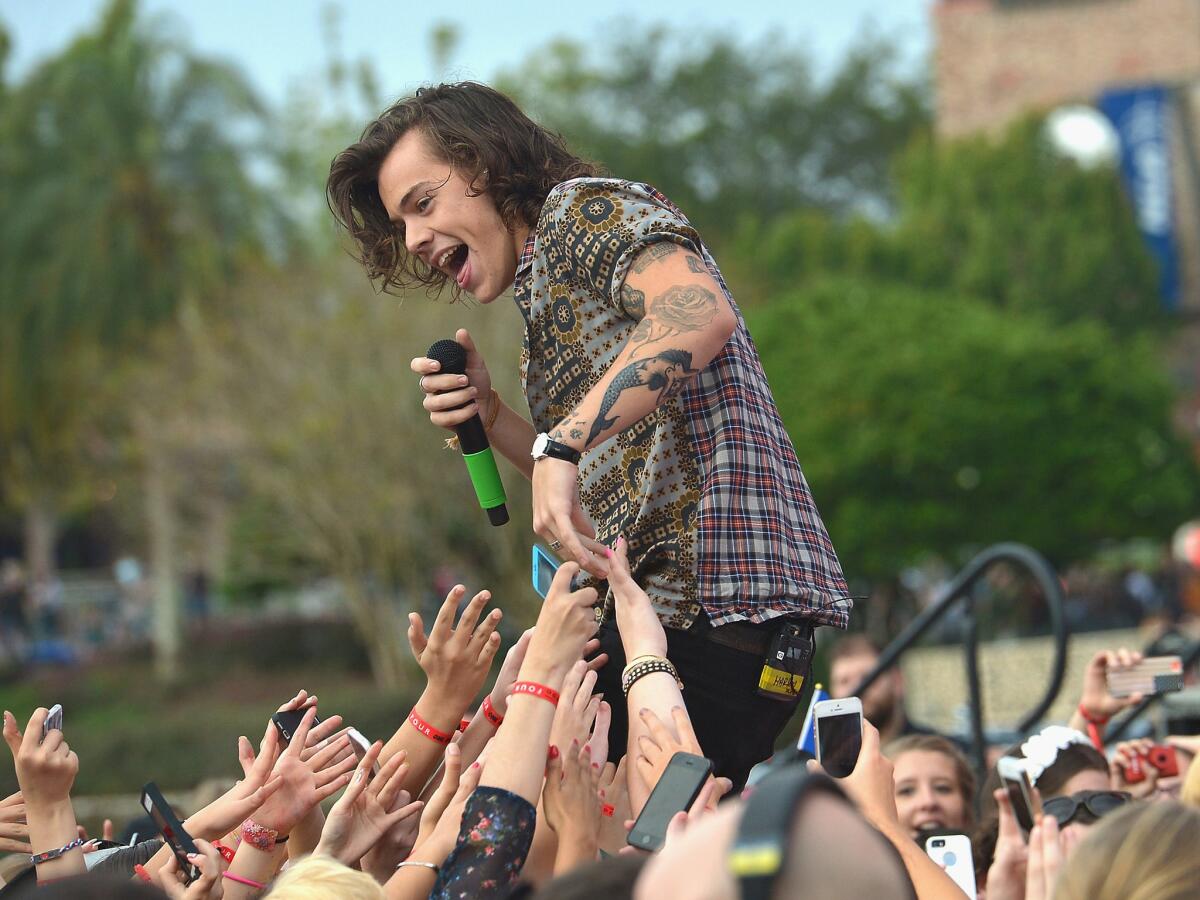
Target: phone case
953, 853
541, 558
1156, 675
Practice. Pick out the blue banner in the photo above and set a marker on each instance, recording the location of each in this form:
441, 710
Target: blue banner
1141, 116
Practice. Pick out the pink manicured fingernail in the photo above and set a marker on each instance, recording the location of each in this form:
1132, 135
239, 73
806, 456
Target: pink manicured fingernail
475, 765
608, 552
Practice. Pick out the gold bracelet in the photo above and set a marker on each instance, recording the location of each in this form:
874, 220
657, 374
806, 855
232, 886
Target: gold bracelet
452, 442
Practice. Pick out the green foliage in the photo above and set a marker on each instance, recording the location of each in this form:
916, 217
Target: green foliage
928, 423
1016, 223
124, 189
727, 129
1008, 221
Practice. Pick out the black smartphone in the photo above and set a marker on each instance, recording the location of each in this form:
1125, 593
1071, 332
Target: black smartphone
676, 791
839, 734
289, 720
1027, 806
171, 829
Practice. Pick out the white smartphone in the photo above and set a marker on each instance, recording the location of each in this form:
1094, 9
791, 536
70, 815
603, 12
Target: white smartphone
1015, 780
361, 745
54, 719
839, 734
953, 853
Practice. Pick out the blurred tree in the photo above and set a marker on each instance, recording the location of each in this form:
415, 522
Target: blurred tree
725, 129
349, 476
1009, 221
928, 423
125, 197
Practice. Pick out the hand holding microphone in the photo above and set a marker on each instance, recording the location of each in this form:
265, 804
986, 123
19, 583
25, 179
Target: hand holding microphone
453, 400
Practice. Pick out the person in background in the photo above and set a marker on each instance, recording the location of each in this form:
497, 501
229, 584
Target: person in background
935, 787
851, 659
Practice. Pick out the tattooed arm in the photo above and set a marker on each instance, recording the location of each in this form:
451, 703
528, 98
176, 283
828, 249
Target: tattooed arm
683, 322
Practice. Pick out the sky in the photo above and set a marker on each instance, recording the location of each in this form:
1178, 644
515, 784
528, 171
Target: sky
279, 43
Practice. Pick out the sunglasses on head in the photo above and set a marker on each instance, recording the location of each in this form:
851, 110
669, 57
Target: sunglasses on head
1084, 806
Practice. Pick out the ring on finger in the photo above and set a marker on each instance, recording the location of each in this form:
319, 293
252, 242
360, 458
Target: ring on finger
421, 384
556, 545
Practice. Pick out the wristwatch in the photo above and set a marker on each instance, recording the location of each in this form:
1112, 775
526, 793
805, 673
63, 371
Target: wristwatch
543, 446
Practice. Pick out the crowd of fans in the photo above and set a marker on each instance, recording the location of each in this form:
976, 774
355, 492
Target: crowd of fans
528, 797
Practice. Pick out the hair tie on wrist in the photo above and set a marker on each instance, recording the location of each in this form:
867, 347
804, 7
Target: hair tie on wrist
241, 879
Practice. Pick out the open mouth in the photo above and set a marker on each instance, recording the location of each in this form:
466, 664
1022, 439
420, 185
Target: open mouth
451, 261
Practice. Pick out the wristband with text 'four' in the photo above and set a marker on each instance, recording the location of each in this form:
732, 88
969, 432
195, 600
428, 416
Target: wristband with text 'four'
489, 712
435, 735
533, 689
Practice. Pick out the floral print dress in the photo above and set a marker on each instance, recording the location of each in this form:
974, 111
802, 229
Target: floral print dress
496, 833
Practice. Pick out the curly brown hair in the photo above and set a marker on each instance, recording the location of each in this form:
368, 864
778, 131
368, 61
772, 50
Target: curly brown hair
478, 131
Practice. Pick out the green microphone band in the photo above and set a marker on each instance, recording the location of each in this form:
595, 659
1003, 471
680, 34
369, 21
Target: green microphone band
486, 480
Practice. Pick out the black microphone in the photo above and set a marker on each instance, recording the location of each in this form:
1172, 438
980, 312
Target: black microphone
472, 440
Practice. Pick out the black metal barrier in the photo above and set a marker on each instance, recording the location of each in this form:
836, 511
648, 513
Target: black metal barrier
959, 590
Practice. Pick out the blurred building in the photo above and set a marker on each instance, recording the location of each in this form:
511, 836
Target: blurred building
1138, 60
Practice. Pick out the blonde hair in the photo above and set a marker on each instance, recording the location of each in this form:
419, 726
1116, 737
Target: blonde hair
322, 878
1190, 794
1149, 851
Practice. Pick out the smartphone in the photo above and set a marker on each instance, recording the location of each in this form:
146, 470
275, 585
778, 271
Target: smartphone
676, 791
289, 720
54, 719
171, 829
361, 745
839, 734
1153, 675
1015, 780
953, 853
544, 567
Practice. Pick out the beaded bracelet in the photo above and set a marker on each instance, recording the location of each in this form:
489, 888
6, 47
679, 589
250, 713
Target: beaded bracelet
48, 855
533, 689
434, 734
260, 837
648, 667
489, 712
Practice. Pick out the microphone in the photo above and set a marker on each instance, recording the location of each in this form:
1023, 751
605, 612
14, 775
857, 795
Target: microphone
472, 440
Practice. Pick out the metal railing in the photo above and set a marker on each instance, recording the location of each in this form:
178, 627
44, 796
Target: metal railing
959, 591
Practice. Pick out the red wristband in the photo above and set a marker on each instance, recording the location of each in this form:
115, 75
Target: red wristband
1094, 724
489, 712
438, 737
533, 689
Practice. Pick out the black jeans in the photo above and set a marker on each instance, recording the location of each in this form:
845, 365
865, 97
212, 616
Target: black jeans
736, 726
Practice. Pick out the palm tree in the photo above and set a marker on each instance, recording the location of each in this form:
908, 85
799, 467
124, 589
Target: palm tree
124, 198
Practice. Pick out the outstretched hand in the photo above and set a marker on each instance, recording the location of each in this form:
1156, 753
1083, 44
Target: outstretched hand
456, 660
368, 810
641, 631
46, 769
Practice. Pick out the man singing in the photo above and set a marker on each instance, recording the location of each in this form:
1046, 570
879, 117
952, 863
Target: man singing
652, 417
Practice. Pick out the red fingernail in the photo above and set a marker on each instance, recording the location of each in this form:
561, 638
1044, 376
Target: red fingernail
607, 810
474, 765
140, 872
553, 754
595, 765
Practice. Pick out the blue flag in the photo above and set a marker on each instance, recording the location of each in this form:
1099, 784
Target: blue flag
808, 733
